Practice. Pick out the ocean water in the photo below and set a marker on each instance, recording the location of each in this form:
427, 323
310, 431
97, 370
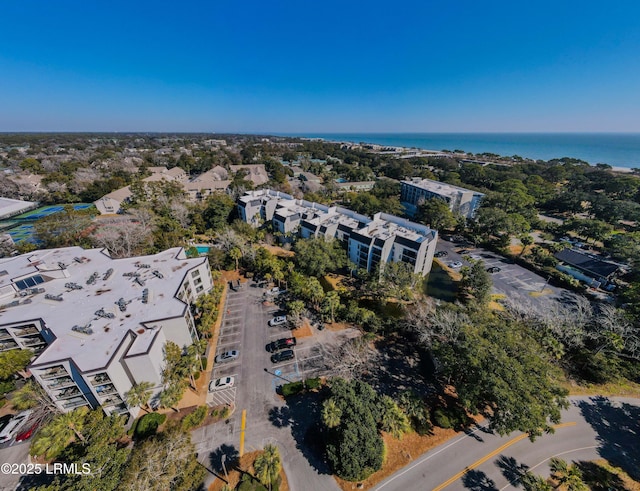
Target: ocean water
615, 149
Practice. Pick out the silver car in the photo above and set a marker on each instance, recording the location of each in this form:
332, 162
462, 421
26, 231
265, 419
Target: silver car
227, 356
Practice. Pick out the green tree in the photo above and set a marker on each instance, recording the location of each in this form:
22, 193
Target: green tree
235, 254
268, 465
393, 420
139, 395
526, 240
316, 256
330, 303
14, 361
53, 438
476, 283
531, 482
437, 214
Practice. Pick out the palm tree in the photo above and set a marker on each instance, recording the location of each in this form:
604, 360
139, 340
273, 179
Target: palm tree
531, 482
57, 435
235, 254
139, 395
331, 413
393, 419
567, 475
267, 465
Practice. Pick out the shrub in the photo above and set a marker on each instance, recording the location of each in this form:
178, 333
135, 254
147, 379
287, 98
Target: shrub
441, 419
313, 383
225, 412
292, 388
148, 424
195, 418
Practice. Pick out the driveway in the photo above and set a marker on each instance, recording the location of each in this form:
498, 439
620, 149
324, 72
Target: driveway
268, 418
592, 428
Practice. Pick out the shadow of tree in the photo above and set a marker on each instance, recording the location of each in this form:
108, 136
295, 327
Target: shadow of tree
478, 481
304, 418
618, 427
598, 478
232, 458
511, 469
280, 416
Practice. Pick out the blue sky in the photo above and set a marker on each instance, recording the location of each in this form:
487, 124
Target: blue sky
329, 66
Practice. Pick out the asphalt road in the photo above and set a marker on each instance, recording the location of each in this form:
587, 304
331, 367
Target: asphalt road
591, 428
512, 280
12, 453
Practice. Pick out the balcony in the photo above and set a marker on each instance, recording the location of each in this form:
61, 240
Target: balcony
33, 342
54, 373
105, 390
100, 379
7, 345
67, 393
112, 401
61, 383
4, 334
74, 403
28, 331
121, 409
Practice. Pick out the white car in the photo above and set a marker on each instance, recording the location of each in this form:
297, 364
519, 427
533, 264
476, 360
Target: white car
221, 383
476, 257
454, 264
278, 321
227, 356
12, 428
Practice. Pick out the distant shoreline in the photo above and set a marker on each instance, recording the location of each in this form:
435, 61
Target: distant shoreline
619, 150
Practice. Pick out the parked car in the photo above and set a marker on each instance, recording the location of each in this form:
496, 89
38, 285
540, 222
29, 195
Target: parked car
13, 427
227, 356
441, 254
494, 269
221, 383
281, 344
456, 238
455, 264
278, 320
475, 257
282, 356
275, 291
27, 431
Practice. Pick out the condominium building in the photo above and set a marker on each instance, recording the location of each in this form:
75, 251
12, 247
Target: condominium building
461, 201
369, 242
98, 325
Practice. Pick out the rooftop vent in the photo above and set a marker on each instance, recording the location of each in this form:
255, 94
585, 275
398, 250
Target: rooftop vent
4, 272
145, 295
106, 315
121, 304
142, 265
139, 281
83, 329
106, 276
131, 275
157, 273
57, 298
73, 286
62, 265
92, 279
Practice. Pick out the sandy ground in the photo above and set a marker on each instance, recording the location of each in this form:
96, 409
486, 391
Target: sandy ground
245, 465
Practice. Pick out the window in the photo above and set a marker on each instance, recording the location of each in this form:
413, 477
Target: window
199, 289
197, 281
29, 282
195, 273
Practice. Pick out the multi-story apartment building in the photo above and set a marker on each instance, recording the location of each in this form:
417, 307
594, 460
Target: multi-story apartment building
369, 242
461, 201
98, 325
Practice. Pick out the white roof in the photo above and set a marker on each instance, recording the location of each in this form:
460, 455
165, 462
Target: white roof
441, 188
78, 308
11, 207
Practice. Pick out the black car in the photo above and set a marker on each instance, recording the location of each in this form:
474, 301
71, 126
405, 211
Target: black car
494, 269
282, 356
441, 254
281, 344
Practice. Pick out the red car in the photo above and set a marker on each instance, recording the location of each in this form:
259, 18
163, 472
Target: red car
28, 432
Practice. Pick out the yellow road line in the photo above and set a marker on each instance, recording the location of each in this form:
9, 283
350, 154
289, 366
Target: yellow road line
490, 455
243, 424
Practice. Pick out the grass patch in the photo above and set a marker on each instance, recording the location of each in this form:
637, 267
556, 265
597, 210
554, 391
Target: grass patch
148, 425
621, 387
441, 283
545, 291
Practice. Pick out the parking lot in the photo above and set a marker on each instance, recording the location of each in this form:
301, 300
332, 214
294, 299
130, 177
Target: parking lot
512, 280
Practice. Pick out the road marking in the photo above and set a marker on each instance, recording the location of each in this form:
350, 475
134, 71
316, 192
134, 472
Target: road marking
431, 455
490, 455
549, 458
243, 425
